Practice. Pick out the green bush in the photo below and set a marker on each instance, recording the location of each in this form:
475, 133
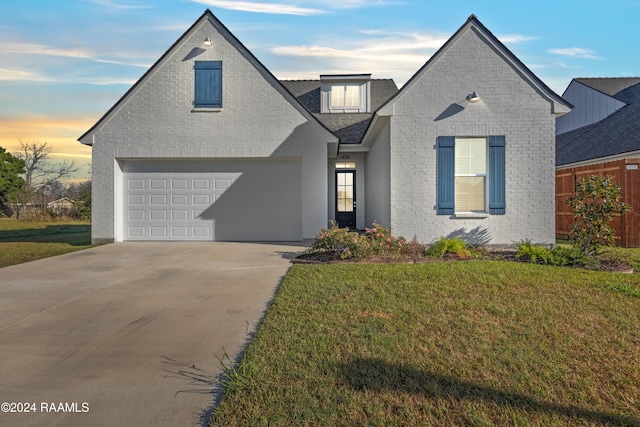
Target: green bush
444, 246
558, 255
597, 201
344, 243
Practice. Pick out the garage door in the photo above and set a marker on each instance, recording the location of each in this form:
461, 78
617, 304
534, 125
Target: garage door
235, 200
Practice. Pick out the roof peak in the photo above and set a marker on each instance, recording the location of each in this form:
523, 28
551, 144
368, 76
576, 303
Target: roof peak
611, 86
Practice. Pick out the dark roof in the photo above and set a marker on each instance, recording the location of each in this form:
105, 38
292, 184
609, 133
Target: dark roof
609, 85
349, 127
618, 133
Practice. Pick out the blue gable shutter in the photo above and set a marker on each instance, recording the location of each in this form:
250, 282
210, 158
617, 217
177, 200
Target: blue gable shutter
497, 191
208, 84
446, 182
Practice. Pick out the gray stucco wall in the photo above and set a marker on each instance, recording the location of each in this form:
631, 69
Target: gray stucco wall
434, 106
156, 121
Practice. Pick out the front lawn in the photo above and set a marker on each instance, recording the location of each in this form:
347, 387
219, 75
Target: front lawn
23, 241
444, 343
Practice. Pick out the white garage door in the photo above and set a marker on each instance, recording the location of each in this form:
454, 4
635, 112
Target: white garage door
234, 200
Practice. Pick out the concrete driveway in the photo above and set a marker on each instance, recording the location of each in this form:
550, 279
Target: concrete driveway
129, 333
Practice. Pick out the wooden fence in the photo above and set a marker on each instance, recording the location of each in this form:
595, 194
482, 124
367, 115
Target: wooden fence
626, 173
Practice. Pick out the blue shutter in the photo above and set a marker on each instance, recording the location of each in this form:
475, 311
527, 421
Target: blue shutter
497, 191
208, 84
446, 182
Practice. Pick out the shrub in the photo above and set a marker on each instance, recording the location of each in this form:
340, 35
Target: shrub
413, 248
382, 242
345, 244
595, 204
558, 255
444, 246
338, 241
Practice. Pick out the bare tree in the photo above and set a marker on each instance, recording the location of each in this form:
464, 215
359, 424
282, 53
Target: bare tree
42, 177
39, 172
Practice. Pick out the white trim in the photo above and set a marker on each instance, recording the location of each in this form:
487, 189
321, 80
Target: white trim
622, 156
206, 110
327, 84
471, 215
118, 201
353, 148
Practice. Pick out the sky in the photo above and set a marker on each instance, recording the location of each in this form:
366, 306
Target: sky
64, 63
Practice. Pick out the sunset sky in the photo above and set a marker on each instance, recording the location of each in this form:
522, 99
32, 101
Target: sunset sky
63, 64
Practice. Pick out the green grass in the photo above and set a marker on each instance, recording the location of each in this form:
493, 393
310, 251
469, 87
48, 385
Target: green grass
629, 256
24, 241
447, 343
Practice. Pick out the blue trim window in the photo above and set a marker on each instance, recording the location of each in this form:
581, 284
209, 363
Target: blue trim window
470, 174
208, 84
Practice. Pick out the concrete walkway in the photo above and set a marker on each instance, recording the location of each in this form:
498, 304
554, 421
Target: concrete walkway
129, 333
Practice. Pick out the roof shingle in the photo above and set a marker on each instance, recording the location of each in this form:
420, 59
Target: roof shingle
617, 134
349, 127
609, 85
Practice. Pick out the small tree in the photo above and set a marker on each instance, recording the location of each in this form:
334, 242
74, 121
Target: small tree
83, 198
10, 181
595, 204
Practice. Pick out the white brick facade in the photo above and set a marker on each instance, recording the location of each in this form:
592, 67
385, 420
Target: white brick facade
434, 104
395, 163
156, 121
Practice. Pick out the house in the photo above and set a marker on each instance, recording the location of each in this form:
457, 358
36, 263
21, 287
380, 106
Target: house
601, 135
63, 205
209, 145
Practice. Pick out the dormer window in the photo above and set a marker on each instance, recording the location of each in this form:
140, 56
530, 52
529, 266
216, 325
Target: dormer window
345, 93
345, 96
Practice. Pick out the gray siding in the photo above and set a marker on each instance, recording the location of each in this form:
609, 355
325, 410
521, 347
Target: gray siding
434, 106
590, 106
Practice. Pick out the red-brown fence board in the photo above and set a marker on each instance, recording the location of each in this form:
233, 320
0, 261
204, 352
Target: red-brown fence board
626, 173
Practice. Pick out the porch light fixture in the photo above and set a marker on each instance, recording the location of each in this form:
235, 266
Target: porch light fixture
207, 42
473, 97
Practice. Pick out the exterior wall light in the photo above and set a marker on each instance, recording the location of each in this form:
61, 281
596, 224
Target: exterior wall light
473, 97
207, 42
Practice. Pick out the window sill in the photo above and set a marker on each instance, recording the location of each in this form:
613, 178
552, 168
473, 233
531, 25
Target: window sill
471, 215
206, 110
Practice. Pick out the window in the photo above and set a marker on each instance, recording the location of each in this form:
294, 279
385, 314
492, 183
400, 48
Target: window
345, 165
345, 93
345, 96
208, 85
470, 173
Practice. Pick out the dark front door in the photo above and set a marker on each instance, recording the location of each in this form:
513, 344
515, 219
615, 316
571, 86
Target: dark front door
346, 198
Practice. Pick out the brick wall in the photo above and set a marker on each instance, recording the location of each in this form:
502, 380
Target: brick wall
435, 106
256, 121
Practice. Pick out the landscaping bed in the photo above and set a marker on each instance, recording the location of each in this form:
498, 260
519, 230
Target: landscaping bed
378, 246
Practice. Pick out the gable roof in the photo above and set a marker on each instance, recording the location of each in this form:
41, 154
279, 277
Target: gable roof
611, 86
208, 15
614, 135
350, 127
560, 105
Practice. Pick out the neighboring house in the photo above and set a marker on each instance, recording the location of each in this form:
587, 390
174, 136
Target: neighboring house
62, 205
600, 136
209, 145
